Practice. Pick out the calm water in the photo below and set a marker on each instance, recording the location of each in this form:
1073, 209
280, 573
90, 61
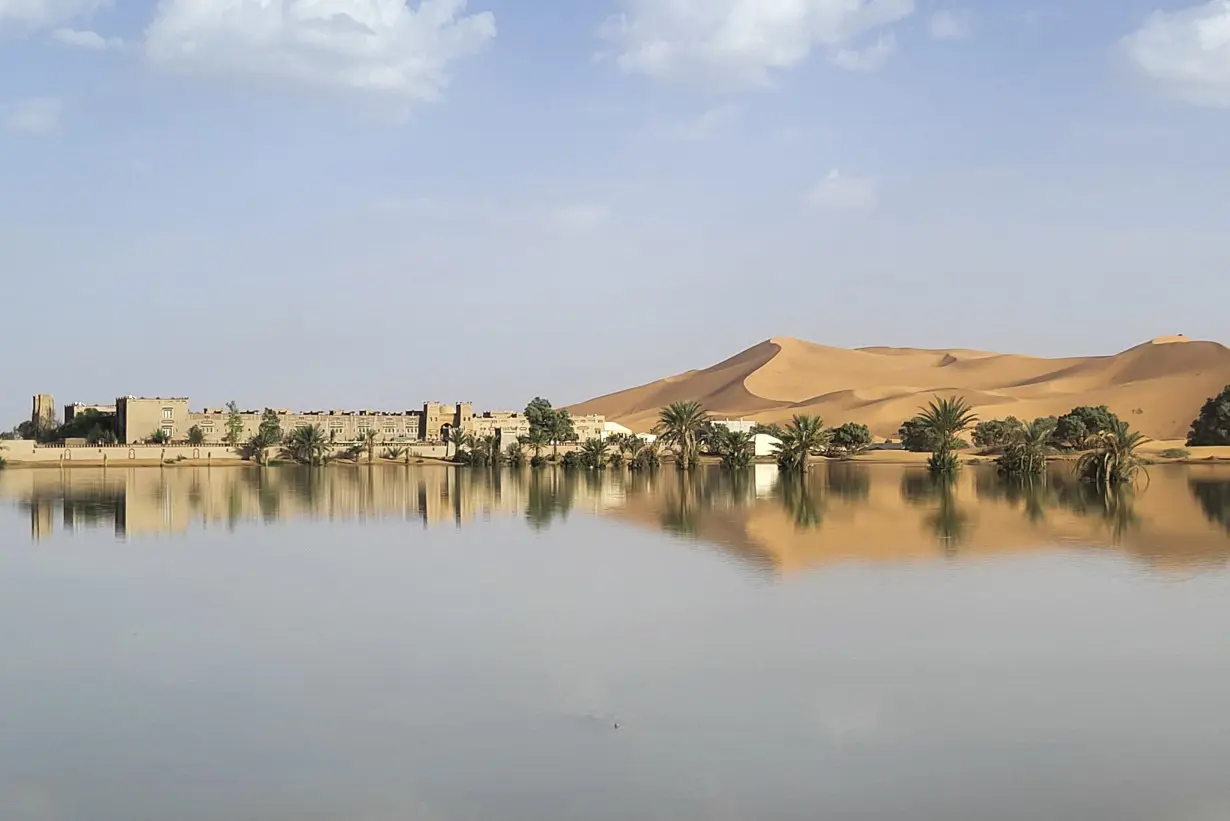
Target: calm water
412, 643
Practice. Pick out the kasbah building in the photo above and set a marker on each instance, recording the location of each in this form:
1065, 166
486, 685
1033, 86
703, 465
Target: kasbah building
138, 418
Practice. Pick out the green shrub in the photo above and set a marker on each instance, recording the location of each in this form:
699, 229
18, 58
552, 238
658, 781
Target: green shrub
1212, 426
1175, 453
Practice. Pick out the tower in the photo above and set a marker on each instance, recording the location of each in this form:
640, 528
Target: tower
43, 414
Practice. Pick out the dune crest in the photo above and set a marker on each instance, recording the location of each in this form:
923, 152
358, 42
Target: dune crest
1158, 386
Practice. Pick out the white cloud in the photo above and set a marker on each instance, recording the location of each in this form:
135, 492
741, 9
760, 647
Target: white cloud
46, 13
1187, 52
86, 39
704, 126
739, 43
870, 58
380, 46
837, 192
36, 116
950, 25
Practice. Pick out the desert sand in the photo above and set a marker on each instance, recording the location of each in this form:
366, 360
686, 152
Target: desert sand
1158, 387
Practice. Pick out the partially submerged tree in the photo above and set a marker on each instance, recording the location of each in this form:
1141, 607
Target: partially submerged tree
680, 426
943, 420
734, 448
1025, 454
801, 439
1113, 461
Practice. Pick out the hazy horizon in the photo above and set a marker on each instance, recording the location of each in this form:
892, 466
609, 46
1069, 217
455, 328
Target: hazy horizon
369, 204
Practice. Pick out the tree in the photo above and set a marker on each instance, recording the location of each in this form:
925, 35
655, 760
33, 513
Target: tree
735, 448
91, 425
234, 425
1079, 428
1212, 426
540, 415
536, 440
368, 438
1025, 455
798, 441
514, 455
459, 439
915, 437
158, 437
270, 430
680, 426
1112, 461
593, 454
561, 431
307, 445
644, 455
942, 420
998, 433
196, 436
395, 452
850, 439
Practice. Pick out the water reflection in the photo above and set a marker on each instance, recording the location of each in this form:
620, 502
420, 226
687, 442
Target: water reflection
838, 511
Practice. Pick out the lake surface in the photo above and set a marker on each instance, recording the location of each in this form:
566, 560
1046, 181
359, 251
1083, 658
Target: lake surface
358, 644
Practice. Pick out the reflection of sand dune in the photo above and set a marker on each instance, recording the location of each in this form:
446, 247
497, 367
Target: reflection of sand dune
1159, 386
842, 512
893, 514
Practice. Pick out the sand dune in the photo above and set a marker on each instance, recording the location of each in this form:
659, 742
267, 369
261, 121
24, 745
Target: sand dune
1158, 386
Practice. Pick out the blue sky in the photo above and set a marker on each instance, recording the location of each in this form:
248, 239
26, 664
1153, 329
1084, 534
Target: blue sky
314, 203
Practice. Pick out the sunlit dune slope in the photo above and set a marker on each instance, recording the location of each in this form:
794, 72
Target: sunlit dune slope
1158, 386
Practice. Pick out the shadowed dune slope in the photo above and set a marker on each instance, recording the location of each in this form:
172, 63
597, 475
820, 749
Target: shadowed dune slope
1158, 387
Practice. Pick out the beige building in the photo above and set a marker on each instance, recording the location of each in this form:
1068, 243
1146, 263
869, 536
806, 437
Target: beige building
139, 418
71, 411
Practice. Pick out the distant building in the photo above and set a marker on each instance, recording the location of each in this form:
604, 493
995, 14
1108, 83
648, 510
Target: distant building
139, 418
43, 412
740, 426
72, 411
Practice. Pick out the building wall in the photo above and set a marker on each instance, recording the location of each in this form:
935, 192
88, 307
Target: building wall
740, 426
139, 417
339, 426
589, 427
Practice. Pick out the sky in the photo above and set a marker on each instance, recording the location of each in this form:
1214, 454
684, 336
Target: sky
376, 203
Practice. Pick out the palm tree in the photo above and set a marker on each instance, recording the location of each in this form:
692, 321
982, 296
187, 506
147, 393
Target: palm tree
643, 455
307, 445
536, 440
395, 452
1113, 461
803, 438
368, 438
1025, 455
680, 425
734, 447
514, 454
459, 439
942, 420
593, 454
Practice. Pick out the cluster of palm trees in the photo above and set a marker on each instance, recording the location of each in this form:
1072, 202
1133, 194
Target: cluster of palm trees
1112, 459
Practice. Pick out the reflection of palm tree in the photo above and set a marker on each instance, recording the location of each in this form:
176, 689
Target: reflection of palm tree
848, 481
1116, 506
938, 492
797, 496
550, 495
948, 522
1214, 498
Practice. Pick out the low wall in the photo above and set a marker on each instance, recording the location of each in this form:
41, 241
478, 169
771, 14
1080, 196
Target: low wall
25, 452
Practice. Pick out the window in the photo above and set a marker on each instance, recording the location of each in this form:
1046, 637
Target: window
168, 413
167, 431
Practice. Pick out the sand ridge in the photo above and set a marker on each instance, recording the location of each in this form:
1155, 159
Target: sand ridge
1158, 386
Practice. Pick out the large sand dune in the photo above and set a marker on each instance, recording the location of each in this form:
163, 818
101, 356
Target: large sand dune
1158, 387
